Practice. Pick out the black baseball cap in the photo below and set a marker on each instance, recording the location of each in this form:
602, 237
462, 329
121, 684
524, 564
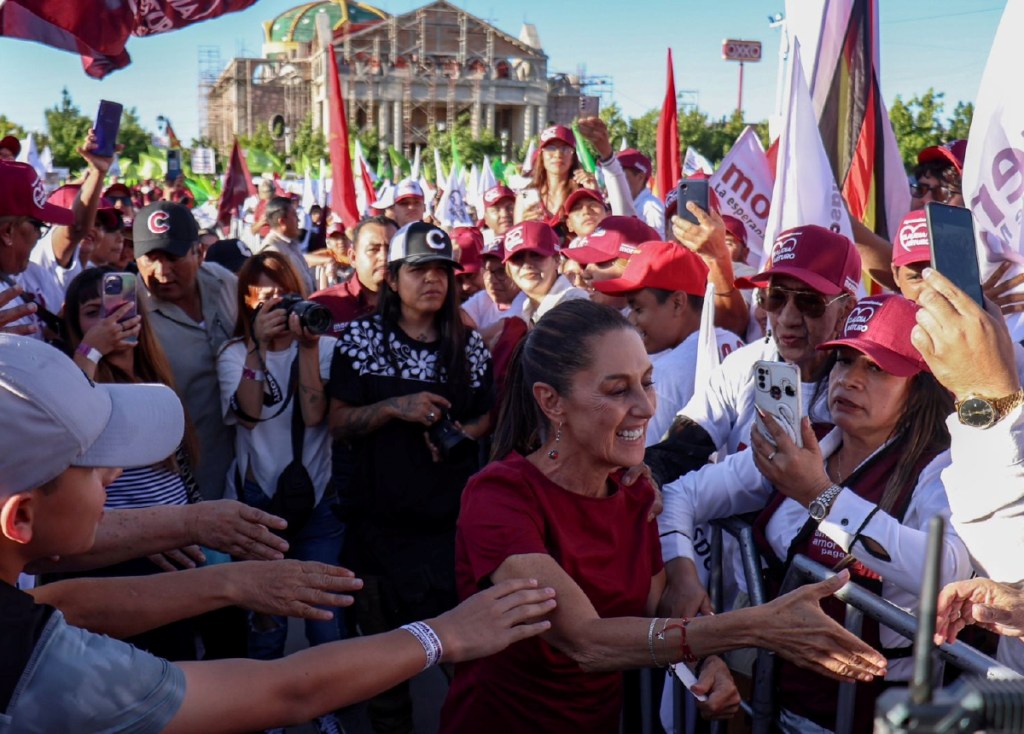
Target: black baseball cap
164, 225
420, 242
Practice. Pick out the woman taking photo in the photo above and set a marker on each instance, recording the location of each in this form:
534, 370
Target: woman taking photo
553, 505
531, 261
273, 367
556, 174
861, 498
109, 350
410, 390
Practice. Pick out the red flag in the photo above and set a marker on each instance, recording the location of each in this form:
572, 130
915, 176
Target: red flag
172, 139
343, 191
237, 187
99, 30
669, 163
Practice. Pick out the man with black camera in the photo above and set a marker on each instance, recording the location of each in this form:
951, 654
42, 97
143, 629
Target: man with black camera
191, 309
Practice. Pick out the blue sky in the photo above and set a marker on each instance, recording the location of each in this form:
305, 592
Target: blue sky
941, 44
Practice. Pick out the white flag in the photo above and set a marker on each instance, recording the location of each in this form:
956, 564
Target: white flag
487, 179
310, 190
46, 158
708, 355
324, 178
475, 195
994, 164
805, 189
528, 161
623, 145
363, 197
744, 184
451, 209
694, 162
439, 174
415, 174
30, 154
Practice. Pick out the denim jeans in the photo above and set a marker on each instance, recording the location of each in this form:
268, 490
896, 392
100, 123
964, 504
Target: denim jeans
320, 540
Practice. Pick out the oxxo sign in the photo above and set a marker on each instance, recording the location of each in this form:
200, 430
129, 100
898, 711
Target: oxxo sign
743, 51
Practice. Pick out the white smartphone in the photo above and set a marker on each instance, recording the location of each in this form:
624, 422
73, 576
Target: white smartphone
777, 393
525, 199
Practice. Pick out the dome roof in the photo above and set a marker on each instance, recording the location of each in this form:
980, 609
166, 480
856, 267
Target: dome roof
298, 25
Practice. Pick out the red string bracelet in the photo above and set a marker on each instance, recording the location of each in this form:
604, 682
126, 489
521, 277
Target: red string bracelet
684, 648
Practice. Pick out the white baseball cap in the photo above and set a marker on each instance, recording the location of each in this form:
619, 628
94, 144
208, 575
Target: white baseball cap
53, 417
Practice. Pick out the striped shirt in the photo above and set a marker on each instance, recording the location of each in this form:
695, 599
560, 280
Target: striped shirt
146, 486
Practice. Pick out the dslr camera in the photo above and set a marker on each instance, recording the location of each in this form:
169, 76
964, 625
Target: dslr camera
313, 317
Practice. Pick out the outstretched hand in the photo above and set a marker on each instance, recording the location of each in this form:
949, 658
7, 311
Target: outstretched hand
997, 607
491, 620
292, 588
237, 529
795, 627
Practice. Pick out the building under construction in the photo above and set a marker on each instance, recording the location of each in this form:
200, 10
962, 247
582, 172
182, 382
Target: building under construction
404, 75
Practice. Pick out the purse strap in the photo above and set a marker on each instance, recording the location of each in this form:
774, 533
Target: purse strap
298, 425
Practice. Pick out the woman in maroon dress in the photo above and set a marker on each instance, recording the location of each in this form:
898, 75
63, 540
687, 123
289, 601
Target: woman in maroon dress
554, 507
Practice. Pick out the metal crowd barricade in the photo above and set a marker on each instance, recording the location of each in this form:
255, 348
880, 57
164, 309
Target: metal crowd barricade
860, 603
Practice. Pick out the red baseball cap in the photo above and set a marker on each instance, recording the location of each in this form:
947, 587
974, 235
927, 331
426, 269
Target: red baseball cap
912, 243
615, 237
735, 227
557, 134
632, 158
12, 144
22, 194
118, 190
822, 259
880, 326
495, 248
110, 219
664, 265
530, 236
471, 245
496, 193
579, 195
955, 151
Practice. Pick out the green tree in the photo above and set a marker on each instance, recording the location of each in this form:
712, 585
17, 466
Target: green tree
9, 127
308, 145
470, 150
67, 128
135, 138
618, 126
643, 132
960, 122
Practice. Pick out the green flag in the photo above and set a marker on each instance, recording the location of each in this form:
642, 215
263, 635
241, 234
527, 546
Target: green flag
399, 163
384, 171
582, 151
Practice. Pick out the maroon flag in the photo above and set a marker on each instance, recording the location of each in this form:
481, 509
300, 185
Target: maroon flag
669, 164
99, 30
237, 187
343, 190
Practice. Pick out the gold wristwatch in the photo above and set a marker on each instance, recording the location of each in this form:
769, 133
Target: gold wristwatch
978, 412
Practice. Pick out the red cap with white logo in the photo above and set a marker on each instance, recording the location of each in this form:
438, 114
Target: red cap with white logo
471, 245
615, 237
531, 236
630, 158
408, 189
496, 193
818, 257
663, 265
580, 195
22, 194
880, 327
557, 134
912, 243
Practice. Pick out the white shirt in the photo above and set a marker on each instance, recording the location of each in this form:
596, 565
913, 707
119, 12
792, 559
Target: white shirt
651, 209
48, 279
735, 486
675, 372
726, 408
561, 290
484, 311
620, 201
267, 447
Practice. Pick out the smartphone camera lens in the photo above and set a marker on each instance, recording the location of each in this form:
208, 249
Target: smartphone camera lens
775, 392
112, 287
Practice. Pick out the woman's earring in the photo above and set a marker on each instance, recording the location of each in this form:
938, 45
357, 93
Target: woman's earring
553, 453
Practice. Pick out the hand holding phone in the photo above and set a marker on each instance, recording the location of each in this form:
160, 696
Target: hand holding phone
527, 205
954, 253
117, 290
108, 123
777, 393
695, 190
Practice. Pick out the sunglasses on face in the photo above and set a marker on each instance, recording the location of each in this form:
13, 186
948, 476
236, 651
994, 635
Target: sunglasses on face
808, 303
41, 227
939, 192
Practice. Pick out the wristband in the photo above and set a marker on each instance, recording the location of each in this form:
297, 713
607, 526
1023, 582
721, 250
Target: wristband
686, 654
650, 643
90, 353
248, 374
428, 639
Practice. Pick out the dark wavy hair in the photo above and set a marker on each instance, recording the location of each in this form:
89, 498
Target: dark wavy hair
448, 319
553, 352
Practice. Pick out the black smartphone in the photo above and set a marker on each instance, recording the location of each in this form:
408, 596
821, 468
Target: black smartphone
108, 122
173, 164
954, 254
695, 190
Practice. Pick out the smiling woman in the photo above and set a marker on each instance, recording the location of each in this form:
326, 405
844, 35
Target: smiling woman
554, 503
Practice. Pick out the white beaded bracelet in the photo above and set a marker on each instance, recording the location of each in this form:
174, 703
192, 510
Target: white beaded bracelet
429, 639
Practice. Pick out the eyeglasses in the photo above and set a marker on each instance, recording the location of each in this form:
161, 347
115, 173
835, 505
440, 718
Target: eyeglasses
808, 303
939, 192
41, 227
